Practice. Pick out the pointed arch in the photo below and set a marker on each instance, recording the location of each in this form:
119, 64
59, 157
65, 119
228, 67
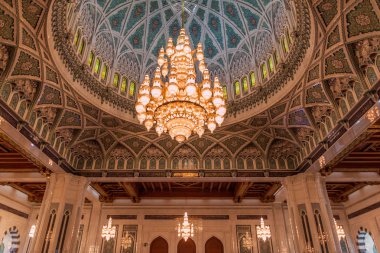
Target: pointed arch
187, 246
214, 245
159, 245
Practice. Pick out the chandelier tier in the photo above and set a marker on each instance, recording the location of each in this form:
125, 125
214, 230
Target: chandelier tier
108, 231
263, 232
173, 101
186, 229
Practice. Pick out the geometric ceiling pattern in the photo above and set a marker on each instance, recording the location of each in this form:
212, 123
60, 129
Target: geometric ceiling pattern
330, 96
128, 34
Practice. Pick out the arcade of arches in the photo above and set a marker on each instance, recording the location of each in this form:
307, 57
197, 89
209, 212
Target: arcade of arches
299, 148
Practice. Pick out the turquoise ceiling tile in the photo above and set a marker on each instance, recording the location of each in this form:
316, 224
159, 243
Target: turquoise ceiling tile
250, 18
215, 5
137, 13
116, 20
168, 14
101, 2
232, 13
153, 6
113, 4
155, 25
160, 43
174, 29
209, 48
201, 13
195, 31
233, 39
216, 28
136, 39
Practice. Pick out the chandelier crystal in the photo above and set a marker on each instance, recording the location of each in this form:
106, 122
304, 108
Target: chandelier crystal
173, 101
263, 232
108, 231
127, 241
186, 229
247, 241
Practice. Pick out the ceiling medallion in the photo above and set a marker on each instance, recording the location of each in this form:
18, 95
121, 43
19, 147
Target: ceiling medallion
186, 229
174, 102
263, 232
108, 231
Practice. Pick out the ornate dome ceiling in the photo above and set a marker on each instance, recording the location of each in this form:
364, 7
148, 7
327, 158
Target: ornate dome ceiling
236, 35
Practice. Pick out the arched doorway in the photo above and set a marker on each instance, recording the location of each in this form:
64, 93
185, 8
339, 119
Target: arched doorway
159, 245
10, 241
365, 242
186, 247
214, 245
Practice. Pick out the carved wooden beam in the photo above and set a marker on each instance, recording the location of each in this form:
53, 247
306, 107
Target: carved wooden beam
269, 195
104, 196
241, 190
131, 190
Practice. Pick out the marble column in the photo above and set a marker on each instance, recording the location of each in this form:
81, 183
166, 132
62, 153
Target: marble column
60, 213
310, 214
281, 243
94, 239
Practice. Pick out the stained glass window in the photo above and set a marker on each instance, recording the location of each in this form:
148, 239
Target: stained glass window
77, 38
245, 84
237, 88
285, 44
124, 83
264, 70
225, 92
82, 47
90, 58
97, 65
116, 78
271, 64
104, 72
277, 57
253, 79
132, 88
289, 38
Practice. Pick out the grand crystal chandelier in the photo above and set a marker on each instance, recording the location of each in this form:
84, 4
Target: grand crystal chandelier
186, 229
173, 101
108, 231
263, 232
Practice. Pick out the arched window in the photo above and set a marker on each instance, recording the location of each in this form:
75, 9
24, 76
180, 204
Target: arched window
152, 164
91, 57
159, 245
124, 83
288, 37
271, 64
237, 88
365, 242
264, 70
104, 72
245, 84
208, 165
285, 45
225, 95
77, 37
132, 88
217, 164
116, 78
98, 64
253, 79
162, 164
82, 47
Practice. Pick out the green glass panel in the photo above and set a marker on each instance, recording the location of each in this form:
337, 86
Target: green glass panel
264, 70
82, 47
132, 88
271, 64
124, 83
116, 80
225, 92
77, 38
90, 58
97, 66
277, 57
290, 39
285, 44
104, 72
245, 84
253, 79
237, 88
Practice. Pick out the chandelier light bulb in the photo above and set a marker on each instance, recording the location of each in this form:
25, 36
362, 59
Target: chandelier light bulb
108, 231
173, 102
263, 232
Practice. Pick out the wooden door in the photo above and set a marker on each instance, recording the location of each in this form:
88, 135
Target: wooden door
186, 247
159, 245
214, 245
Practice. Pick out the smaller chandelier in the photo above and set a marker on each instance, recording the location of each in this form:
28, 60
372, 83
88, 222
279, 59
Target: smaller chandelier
246, 241
339, 231
186, 229
109, 231
127, 241
263, 232
32, 231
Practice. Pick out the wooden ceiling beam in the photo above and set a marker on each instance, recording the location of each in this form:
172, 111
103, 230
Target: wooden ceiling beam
104, 196
132, 191
241, 190
269, 196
